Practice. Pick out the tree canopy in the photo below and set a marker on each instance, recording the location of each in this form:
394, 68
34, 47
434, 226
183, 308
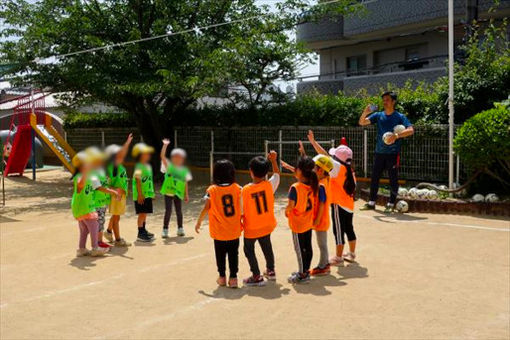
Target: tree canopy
155, 79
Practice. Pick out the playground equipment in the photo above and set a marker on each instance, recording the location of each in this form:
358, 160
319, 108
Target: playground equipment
29, 119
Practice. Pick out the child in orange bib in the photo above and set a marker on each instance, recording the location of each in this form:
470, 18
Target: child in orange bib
223, 204
258, 216
300, 213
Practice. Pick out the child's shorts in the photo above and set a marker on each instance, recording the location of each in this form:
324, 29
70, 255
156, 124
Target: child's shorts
145, 207
118, 207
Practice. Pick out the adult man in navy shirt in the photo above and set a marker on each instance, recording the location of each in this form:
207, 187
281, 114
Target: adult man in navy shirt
386, 155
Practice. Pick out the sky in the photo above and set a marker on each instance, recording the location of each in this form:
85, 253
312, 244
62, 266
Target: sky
312, 68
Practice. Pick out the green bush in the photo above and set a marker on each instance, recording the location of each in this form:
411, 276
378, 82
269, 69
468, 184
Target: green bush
75, 120
483, 143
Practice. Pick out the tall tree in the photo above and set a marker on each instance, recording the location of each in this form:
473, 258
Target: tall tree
155, 79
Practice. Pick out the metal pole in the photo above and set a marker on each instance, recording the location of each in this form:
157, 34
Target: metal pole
175, 137
211, 156
280, 147
266, 148
33, 134
102, 139
450, 91
365, 152
457, 172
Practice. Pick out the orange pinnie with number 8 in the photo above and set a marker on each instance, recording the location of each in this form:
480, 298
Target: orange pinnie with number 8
225, 211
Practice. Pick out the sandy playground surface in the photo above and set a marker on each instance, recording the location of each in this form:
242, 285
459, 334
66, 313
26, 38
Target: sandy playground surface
419, 276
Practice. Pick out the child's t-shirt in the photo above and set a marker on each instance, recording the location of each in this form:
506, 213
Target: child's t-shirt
301, 217
224, 211
175, 180
258, 207
323, 197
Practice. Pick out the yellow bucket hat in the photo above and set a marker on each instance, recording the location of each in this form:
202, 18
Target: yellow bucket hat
140, 148
95, 154
80, 158
324, 162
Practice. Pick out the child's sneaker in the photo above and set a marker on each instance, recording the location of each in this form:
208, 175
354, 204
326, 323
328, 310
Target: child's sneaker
299, 278
270, 275
336, 261
180, 232
318, 271
349, 257
164, 233
121, 243
108, 235
151, 235
143, 236
368, 206
221, 281
389, 208
99, 251
103, 245
82, 252
255, 281
232, 282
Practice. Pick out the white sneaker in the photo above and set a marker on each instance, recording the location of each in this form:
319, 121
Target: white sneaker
164, 233
349, 257
99, 251
180, 232
336, 261
82, 252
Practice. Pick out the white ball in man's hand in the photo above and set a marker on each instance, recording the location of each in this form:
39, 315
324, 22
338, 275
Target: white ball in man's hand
386, 138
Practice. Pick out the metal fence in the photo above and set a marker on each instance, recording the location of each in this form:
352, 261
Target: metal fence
424, 156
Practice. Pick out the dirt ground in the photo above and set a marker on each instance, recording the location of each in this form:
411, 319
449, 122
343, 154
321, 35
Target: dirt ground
418, 276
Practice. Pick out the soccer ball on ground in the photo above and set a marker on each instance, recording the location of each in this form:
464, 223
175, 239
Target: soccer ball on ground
402, 192
402, 206
399, 128
478, 198
491, 198
386, 137
422, 193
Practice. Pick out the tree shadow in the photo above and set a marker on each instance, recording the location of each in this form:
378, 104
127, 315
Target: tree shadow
177, 240
270, 291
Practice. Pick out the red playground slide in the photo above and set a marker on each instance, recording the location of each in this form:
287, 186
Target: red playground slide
21, 150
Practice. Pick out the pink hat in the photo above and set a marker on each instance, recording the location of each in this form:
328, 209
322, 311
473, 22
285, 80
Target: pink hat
342, 152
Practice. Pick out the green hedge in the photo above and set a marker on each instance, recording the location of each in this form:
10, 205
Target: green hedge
74, 120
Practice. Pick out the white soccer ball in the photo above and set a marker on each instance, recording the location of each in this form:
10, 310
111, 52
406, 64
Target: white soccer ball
402, 192
386, 137
422, 193
432, 195
413, 193
402, 206
399, 128
443, 187
478, 198
491, 198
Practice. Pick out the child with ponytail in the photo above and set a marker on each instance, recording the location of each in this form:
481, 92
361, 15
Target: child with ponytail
300, 212
342, 189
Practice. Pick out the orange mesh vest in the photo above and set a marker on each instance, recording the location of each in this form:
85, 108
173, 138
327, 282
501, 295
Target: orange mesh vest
225, 212
336, 189
301, 217
324, 220
258, 209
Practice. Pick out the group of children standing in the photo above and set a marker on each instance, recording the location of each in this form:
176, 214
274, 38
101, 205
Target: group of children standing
323, 195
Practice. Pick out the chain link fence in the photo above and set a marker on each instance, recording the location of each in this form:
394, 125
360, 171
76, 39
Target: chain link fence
424, 156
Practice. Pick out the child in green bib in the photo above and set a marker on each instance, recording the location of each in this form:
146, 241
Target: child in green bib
83, 207
143, 188
118, 180
175, 185
102, 193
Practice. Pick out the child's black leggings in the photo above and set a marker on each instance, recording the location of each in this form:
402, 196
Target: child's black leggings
342, 224
230, 249
267, 249
304, 250
168, 210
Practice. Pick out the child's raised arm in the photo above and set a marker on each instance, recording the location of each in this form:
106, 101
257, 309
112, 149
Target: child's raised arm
319, 149
162, 154
124, 150
287, 166
272, 158
204, 211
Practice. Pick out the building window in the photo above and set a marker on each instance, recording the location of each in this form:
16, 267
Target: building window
356, 65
